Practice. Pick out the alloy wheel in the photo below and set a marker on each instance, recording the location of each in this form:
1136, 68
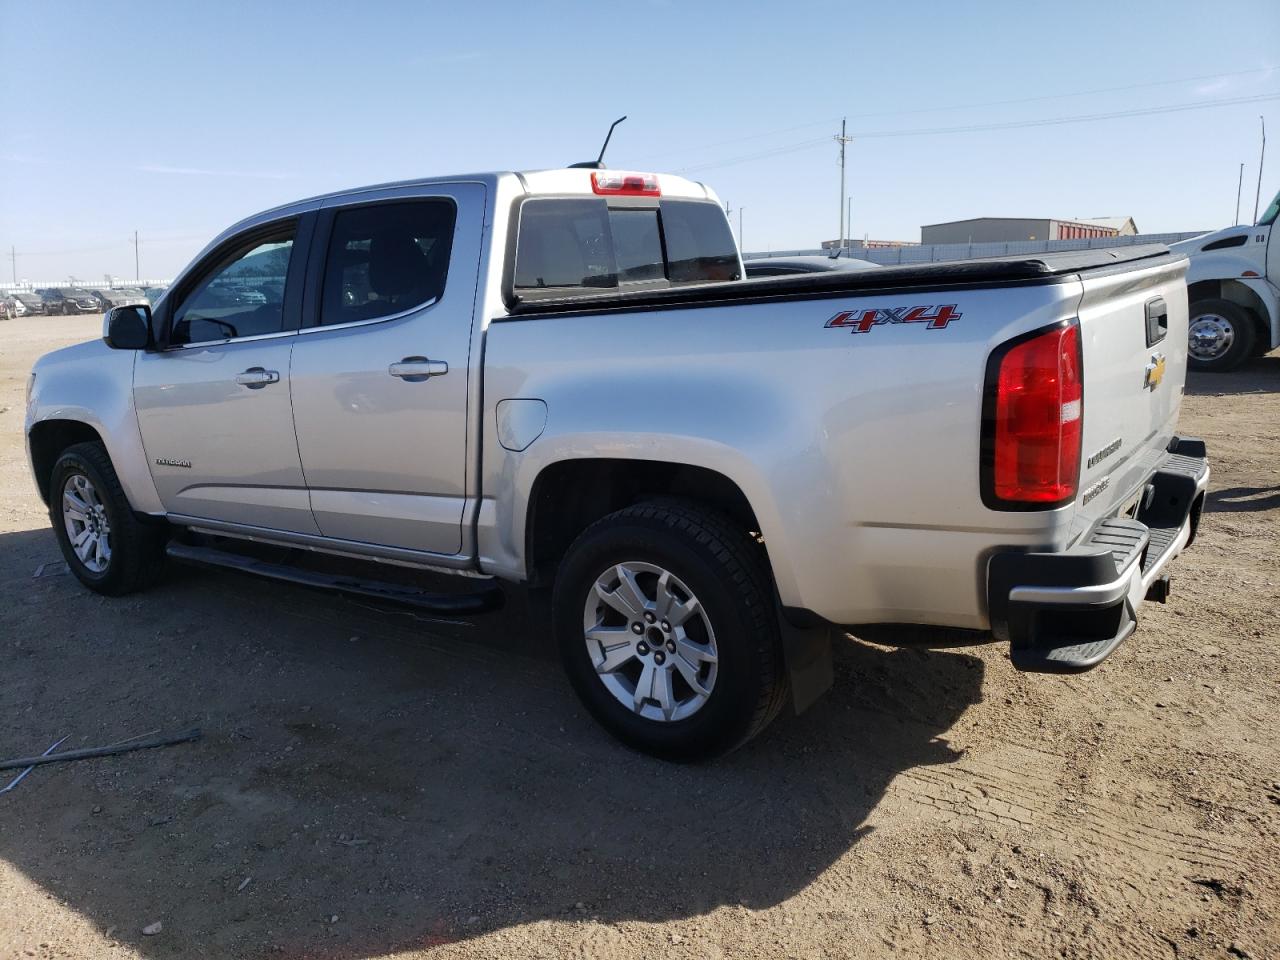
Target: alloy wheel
85, 517
650, 641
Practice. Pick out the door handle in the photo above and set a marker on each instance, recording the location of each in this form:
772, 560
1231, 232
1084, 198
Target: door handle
417, 369
255, 378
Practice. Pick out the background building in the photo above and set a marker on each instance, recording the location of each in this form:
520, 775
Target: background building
1000, 229
867, 244
1124, 225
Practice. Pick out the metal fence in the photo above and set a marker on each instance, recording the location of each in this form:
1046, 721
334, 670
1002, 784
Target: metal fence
30, 286
939, 252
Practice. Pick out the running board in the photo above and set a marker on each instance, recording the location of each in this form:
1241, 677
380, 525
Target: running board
455, 604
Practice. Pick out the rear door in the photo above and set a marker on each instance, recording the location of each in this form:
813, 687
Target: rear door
1133, 325
380, 370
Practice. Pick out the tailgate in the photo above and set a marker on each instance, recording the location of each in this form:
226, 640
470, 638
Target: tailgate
1133, 325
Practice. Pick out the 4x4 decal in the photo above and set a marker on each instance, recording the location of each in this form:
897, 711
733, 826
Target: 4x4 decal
861, 321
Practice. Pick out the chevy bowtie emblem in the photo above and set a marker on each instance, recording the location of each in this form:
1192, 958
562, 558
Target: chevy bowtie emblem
1155, 371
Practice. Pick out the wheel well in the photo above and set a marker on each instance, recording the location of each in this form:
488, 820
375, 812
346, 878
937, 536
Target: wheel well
1234, 292
571, 495
48, 439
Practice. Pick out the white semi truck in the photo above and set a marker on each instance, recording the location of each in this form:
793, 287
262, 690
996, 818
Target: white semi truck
1233, 285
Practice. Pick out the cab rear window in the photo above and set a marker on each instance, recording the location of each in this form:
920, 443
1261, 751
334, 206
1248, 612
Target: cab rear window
584, 244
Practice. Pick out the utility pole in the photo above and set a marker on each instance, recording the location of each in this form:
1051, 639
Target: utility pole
1258, 193
1239, 185
137, 274
842, 140
13, 260
849, 224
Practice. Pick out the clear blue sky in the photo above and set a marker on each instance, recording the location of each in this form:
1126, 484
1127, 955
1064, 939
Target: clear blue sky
176, 119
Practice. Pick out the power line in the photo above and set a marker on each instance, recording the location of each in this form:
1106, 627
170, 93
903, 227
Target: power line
1080, 118
986, 103
980, 127
773, 152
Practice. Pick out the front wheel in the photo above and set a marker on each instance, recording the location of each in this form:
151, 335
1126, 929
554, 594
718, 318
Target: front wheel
108, 548
665, 621
1220, 336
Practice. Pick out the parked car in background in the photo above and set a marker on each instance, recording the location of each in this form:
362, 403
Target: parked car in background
51, 298
153, 293
1233, 283
790, 266
69, 300
122, 297
22, 304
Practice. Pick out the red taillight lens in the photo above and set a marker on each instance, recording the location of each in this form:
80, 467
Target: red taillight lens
617, 183
1034, 422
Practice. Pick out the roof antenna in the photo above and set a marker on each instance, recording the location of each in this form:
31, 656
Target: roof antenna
598, 162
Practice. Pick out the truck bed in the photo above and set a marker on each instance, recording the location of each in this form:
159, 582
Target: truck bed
957, 274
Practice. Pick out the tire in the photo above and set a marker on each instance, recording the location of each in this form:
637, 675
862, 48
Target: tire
1221, 336
134, 551
729, 644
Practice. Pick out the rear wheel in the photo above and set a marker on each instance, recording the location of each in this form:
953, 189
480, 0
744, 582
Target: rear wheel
665, 622
1220, 335
108, 548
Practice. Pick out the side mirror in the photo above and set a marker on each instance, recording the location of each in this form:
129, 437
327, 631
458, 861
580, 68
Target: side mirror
128, 328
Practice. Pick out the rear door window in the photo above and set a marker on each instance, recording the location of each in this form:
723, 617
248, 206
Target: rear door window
386, 258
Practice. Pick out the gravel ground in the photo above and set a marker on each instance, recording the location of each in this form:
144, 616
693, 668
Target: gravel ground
370, 783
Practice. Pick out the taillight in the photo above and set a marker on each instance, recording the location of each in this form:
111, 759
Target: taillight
1031, 421
615, 183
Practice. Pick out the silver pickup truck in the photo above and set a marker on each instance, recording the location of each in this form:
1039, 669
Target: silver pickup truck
561, 378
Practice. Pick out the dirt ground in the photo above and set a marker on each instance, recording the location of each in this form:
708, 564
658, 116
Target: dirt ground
371, 783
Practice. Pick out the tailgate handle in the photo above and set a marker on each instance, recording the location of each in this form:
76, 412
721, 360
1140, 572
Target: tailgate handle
1157, 320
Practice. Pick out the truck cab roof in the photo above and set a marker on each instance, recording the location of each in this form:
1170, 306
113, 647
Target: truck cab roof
553, 181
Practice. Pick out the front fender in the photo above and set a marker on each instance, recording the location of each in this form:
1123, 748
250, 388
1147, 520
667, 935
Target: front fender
1270, 298
1231, 264
92, 384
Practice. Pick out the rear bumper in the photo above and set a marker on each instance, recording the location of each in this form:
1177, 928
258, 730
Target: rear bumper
1067, 612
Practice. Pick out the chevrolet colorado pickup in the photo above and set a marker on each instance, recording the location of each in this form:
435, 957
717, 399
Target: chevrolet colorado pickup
562, 378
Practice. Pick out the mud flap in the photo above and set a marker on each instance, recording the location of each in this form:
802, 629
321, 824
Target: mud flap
807, 654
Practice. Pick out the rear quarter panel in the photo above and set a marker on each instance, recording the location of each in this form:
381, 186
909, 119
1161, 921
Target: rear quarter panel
857, 451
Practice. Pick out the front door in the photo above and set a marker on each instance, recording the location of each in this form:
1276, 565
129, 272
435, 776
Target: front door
213, 406
379, 376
